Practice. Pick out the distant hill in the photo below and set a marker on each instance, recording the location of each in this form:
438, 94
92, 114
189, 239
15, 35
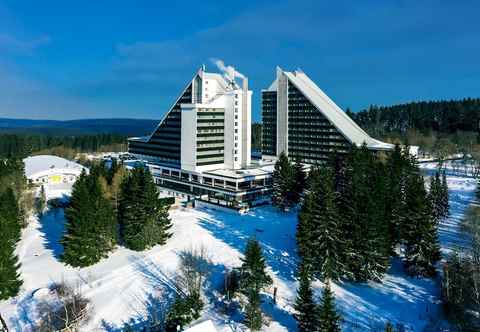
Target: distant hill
124, 127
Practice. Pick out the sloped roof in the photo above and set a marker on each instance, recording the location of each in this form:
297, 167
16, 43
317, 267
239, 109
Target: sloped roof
333, 113
42, 163
206, 326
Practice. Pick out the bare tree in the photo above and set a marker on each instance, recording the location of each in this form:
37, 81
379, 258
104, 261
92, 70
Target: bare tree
66, 313
194, 270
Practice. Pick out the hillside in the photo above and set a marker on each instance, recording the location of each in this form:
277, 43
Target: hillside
445, 117
129, 286
124, 127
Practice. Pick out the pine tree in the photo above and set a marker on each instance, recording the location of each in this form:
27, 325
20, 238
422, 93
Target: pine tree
421, 239
41, 201
253, 269
436, 198
91, 227
299, 181
143, 217
326, 235
253, 279
306, 309
329, 318
305, 227
283, 183
444, 196
10, 229
10, 281
368, 256
10, 212
115, 187
397, 167
253, 313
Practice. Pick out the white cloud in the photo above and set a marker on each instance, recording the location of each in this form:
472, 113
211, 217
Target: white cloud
11, 44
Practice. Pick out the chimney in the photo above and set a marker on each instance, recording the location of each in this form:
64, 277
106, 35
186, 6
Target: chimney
246, 123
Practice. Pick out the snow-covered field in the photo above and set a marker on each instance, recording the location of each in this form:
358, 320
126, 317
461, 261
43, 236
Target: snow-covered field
127, 285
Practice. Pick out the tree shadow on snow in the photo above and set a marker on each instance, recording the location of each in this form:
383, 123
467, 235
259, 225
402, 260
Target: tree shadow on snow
398, 298
155, 304
52, 225
155, 309
273, 229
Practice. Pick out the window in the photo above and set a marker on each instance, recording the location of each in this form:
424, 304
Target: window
236, 158
235, 151
236, 123
236, 102
236, 138
236, 95
236, 144
236, 117
236, 131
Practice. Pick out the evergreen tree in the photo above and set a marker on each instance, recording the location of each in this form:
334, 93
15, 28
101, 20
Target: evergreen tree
305, 227
253, 279
41, 201
10, 229
91, 227
444, 196
326, 235
253, 269
421, 239
10, 213
253, 313
368, 258
299, 181
283, 183
397, 167
143, 217
329, 318
10, 281
436, 198
306, 309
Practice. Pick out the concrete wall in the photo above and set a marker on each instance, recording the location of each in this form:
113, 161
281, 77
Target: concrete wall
282, 112
188, 145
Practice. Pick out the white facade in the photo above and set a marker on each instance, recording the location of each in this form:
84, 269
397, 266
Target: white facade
213, 92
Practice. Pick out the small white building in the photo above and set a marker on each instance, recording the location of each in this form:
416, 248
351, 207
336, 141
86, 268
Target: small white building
206, 326
51, 170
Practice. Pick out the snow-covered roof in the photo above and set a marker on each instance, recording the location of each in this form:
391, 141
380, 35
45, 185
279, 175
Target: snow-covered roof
206, 326
332, 112
139, 139
45, 163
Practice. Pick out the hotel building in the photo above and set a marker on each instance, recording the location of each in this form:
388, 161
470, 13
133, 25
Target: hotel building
202, 146
300, 120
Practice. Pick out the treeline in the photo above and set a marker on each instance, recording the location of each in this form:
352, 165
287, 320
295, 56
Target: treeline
22, 145
445, 117
358, 211
113, 206
438, 127
12, 220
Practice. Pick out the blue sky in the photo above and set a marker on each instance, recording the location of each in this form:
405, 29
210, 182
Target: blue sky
99, 59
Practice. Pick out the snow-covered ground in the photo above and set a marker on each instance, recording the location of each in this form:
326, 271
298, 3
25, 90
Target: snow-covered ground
127, 285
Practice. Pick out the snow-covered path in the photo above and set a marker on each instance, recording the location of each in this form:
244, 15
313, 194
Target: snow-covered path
128, 284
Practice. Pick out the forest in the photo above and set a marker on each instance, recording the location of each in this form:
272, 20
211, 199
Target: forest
356, 213
451, 126
23, 145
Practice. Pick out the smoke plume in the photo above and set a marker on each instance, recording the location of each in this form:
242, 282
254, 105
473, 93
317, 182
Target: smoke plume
228, 71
